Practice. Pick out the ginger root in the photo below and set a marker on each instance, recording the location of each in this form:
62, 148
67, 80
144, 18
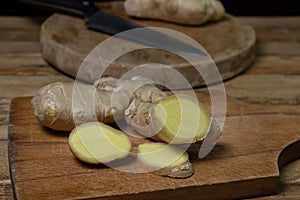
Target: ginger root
166, 160
95, 143
187, 12
53, 103
146, 108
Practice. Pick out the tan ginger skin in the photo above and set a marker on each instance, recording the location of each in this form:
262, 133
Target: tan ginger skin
53, 103
186, 12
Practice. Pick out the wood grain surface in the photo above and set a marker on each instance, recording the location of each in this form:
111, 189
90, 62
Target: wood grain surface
243, 164
65, 42
27, 62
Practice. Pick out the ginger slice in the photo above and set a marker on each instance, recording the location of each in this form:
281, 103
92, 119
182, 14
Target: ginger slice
181, 119
165, 159
95, 143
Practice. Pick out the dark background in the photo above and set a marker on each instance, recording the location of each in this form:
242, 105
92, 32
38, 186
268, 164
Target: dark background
235, 7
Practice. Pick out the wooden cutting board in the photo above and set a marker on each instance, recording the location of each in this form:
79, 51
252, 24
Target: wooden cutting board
65, 42
255, 143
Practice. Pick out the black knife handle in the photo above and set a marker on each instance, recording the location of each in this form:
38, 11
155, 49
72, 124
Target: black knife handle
78, 7
74, 4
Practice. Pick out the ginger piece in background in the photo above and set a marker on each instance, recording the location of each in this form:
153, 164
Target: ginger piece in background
186, 12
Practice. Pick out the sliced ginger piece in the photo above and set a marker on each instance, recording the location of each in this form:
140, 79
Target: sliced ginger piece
181, 120
95, 143
165, 159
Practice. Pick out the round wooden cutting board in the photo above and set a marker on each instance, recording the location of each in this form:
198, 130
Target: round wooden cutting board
65, 42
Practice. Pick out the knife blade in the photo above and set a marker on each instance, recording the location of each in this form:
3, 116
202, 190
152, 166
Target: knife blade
98, 20
113, 25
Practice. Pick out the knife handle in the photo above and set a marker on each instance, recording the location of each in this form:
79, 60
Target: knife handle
78, 7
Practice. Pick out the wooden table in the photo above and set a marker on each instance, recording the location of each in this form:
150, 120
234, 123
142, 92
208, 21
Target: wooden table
273, 79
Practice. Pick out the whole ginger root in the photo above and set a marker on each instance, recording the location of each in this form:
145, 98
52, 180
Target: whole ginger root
146, 108
53, 103
186, 12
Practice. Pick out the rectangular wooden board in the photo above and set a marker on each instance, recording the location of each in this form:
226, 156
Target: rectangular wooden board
244, 163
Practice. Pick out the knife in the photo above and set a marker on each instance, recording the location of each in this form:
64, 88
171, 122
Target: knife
98, 20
